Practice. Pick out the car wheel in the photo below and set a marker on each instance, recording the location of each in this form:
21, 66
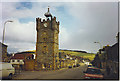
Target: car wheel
10, 76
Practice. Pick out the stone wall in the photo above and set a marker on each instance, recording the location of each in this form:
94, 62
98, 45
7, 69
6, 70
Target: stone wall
29, 65
47, 46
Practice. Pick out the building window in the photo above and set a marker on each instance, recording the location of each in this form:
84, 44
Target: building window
44, 46
44, 39
34, 56
13, 60
56, 60
28, 57
21, 60
18, 60
44, 52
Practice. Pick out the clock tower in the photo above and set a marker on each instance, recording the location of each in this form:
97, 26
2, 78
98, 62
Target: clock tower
47, 45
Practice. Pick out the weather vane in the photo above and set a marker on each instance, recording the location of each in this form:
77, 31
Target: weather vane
48, 8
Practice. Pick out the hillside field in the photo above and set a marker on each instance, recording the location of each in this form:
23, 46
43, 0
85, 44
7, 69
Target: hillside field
90, 56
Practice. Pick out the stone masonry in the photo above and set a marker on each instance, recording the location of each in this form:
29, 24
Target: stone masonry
47, 45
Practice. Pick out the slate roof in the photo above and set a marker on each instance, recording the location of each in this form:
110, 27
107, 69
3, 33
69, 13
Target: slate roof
21, 56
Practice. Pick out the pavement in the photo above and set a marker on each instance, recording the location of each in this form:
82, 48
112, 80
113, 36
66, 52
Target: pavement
62, 74
110, 76
75, 73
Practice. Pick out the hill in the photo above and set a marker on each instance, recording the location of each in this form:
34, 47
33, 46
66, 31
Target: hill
89, 56
82, 54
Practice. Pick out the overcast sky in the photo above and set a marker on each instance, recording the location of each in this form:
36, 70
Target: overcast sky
81, 24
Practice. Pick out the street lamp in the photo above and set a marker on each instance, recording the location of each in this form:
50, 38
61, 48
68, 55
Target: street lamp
117, 37
4, 29
99, 44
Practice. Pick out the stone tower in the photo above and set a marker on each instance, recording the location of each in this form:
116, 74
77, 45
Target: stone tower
47, 45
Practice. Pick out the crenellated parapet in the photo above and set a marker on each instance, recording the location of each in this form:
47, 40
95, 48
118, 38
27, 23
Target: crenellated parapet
46, 23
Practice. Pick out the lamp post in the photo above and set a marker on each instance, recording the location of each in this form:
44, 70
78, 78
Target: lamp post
48, 14
117, 37
99, 44
4, 29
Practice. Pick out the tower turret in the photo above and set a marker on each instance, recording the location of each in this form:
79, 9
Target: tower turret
47, 44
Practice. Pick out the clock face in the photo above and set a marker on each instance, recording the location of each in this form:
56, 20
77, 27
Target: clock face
45, 24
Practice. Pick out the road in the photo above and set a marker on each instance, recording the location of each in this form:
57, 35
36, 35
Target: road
65, 73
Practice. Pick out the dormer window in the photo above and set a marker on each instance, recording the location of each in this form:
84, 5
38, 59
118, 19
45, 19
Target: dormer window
44, 39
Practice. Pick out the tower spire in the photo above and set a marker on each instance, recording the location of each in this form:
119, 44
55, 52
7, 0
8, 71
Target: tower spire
48, 14
48, 8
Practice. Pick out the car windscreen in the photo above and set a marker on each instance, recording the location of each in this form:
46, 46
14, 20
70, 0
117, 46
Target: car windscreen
89, 65
93, 71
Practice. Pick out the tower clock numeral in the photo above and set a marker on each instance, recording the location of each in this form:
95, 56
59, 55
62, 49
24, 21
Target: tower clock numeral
45, 24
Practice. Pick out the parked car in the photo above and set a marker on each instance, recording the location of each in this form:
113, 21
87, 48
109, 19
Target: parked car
74, 65
6, 70
89, 66
77, 65
93, 73
69, 66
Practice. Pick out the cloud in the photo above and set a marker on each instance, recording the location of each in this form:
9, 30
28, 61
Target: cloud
81, 24
96, 22
22, 11
20, 36
17, 31
14, 47
0, 21
60, 1
63, 38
